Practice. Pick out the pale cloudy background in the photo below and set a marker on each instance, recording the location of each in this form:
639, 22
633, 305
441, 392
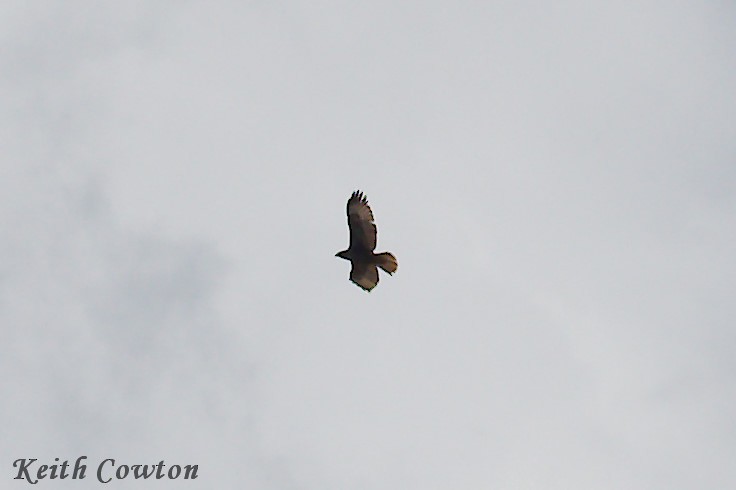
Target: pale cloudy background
557, 180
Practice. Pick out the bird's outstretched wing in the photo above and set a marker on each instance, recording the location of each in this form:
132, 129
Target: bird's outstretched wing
363, 231
364, 275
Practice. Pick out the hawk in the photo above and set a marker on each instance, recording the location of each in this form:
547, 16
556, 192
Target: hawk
362, 243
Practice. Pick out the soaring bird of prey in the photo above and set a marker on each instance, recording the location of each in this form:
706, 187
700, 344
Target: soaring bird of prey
363, 235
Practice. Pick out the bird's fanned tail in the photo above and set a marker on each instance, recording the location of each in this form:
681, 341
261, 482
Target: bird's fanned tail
387, 262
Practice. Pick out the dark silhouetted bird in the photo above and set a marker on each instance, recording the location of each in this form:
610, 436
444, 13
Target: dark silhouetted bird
363, 235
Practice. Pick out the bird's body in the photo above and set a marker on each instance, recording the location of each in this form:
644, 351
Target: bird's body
363, 235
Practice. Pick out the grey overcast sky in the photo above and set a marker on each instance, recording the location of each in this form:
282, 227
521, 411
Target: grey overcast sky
557, 180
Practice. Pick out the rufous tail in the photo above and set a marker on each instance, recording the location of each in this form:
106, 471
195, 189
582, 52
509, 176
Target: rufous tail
387, 262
